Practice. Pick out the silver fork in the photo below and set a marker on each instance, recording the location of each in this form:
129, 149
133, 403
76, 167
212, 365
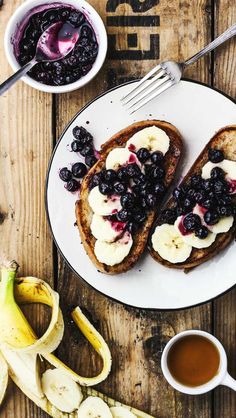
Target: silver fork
166, 74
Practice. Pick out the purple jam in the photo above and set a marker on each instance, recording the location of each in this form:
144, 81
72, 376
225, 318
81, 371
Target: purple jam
69, 69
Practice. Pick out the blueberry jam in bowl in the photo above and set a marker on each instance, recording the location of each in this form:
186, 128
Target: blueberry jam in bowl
73, 71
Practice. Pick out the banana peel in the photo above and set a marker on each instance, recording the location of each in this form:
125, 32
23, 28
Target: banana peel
20, 362
33, 290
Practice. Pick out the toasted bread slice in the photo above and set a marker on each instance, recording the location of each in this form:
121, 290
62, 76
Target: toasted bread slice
225, 140
84, 213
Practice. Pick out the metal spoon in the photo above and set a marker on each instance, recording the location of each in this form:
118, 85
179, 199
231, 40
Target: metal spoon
55, 43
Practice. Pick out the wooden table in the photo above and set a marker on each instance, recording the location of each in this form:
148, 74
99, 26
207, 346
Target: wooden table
140, 33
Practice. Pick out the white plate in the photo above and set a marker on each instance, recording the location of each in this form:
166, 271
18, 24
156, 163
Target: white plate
198, 112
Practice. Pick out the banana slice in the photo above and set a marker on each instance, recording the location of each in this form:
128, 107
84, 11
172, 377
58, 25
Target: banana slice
103, 205
3, 377
114, 252
121, 412
105, 230
94, 407
61, 390
194, 241
119, 157
223, 225
169, 243
26, 365
152, 138
228, 166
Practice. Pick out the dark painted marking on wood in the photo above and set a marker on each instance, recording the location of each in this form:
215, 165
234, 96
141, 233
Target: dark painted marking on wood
139, 21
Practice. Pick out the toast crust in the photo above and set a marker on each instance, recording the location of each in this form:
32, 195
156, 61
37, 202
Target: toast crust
225, 140
84, 213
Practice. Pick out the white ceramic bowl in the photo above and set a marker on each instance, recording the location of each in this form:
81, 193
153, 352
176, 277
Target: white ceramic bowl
92, 16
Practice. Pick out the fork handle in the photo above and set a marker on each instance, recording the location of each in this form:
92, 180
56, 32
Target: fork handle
229, 33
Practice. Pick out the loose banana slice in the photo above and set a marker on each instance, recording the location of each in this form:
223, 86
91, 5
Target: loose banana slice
121, 412
114, 252
102, 204
25, 365
169, 243
104, 229
61, 390
3, 377
119, 157
152, 138
94, 407
228, 166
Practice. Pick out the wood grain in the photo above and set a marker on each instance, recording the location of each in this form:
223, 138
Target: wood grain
25, 147
224, 307
136, 337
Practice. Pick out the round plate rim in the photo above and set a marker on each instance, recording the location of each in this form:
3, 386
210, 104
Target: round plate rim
48, 216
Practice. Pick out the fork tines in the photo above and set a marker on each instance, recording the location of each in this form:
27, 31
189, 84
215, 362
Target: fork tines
150, 86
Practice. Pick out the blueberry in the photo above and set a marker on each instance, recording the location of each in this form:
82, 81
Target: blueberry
224, 199
225, 211
72, 185
87, 150
179, 210
79, 170
158, 172
144, 188
76, 146
123, 215
95, 180
199, 196
65, 174
208, 203
148, 169
139, 179
120, 188
132, 227
191, 193
139, 216
110, 176
76, 18
80, 132
141, 202
133, 170
86, 32
159, 189
127, 200
105, 188
195, 181
168, 216
122, 174
143, 154
191, 222
177, 193
157, 157
207, 185
220, 186
151, 200
211, 217
43, 77
188, 203
217, 173
201, 232
90, 160
215, 155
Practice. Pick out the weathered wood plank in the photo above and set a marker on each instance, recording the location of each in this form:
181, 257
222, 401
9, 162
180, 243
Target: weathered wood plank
224, 307
137, 337
25, 147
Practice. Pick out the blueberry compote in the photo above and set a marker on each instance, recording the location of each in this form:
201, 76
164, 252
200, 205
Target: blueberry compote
82, 141
69, 69
212, 198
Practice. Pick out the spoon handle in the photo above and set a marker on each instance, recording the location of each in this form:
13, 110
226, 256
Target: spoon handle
15, 77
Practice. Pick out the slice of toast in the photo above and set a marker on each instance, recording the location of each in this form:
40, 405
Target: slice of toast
84, 213
225, 140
